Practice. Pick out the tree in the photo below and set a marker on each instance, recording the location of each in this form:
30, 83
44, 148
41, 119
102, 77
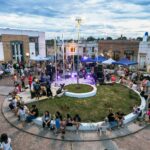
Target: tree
139, 38
90, 38
109, 38
122, 38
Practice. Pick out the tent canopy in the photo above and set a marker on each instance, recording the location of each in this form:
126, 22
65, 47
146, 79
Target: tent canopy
100, 59
38, 58
87, 59
109, 61
125, 62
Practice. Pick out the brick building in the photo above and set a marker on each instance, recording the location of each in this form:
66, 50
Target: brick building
20, 45
117, 49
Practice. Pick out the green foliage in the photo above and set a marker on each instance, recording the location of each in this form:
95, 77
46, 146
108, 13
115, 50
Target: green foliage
93, 108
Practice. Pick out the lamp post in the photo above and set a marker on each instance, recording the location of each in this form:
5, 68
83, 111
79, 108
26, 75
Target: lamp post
148, 93
78, 20
55, 49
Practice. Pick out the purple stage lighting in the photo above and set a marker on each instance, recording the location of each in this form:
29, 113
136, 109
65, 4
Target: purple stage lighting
85, 57
88, 76
58, 77
72, 75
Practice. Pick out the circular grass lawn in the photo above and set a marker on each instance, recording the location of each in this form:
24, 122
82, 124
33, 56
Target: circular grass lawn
93, 109
78, 88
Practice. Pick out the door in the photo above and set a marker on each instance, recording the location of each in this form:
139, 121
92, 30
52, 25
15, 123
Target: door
17, 51
142, 62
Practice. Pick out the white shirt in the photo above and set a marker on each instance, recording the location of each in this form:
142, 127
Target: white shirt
21, 112
7, 146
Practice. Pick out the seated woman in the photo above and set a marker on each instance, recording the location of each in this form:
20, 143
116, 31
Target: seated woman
46, 119
69, 120
113, 79
120, 117
63, 127
32, 114
111, 119
22, 114
77, 121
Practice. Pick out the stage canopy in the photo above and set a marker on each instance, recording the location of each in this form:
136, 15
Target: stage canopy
100, 59
125, 62
87, 59
109, 61
39, 58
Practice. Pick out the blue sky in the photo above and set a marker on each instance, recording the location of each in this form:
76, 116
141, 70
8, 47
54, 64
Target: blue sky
101, 18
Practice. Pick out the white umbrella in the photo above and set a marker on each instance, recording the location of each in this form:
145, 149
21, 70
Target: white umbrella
39, 58
109, 61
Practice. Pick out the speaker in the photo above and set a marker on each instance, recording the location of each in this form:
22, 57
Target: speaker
100, 75
100, 68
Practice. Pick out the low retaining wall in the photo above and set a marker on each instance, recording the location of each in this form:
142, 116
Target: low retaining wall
82, 95
93, 126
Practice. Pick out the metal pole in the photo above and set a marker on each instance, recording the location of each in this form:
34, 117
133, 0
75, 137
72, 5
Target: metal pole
78, 27
55, 48
63, 56
73, 56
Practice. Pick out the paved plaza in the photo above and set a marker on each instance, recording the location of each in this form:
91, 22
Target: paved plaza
34, 137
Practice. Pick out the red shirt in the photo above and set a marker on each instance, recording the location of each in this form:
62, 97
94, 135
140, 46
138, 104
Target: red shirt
30, 79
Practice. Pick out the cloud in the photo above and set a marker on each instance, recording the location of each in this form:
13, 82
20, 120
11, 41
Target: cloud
101, 17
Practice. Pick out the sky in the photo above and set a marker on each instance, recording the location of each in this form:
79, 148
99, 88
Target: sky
100, 18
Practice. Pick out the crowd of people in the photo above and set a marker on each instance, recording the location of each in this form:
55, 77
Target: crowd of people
40, 85
55, 122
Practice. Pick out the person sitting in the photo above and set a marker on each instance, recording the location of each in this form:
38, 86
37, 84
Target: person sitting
113, 79
59, 115
13, 104
111, 119
46, 119
5, 142
57, 125
69, 120
33, 113
63, 127
22, 114
120, 117
77, 121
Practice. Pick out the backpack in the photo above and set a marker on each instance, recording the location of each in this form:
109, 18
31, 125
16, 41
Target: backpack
37, 87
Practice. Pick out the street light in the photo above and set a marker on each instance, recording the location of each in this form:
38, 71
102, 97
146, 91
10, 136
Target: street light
148, 93
78, 21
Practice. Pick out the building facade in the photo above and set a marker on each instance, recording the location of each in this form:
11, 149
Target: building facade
144, 52
72, 49
20, 45
117, 49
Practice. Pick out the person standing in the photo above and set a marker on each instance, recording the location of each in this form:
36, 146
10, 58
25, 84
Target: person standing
30, 78
5, 142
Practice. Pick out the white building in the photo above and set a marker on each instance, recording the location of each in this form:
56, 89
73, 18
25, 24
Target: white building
144, 52
72, 49
19, 45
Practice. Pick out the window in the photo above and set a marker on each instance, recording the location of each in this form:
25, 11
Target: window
84, 49
72, 50
93, 49
64, 49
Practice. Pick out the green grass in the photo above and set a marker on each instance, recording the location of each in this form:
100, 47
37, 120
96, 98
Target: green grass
79, 88
95, 108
